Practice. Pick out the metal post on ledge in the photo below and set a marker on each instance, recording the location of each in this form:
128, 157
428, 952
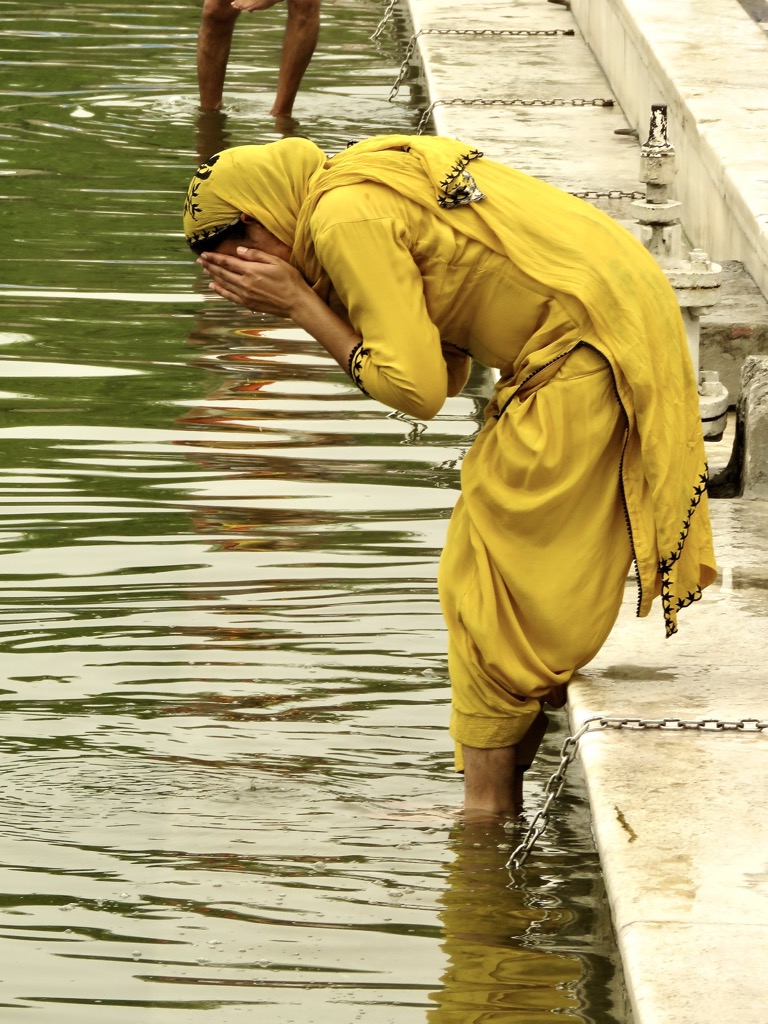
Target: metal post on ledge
695, 280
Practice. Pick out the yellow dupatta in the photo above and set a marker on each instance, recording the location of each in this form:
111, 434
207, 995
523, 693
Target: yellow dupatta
269, 183
610, 285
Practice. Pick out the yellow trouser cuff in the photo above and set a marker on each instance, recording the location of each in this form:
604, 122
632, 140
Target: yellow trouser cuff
487, 732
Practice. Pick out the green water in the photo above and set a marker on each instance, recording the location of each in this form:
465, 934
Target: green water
226, 789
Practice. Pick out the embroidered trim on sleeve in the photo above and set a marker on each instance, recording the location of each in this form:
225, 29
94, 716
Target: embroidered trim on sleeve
355, 367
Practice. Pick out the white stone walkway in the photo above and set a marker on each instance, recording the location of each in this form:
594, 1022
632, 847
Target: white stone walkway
680, 818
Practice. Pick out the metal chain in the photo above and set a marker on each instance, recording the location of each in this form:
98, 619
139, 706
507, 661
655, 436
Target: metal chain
403, 72
403, 68
417, 428
517, 102
612, 193
570, 747
388, 12
496, 32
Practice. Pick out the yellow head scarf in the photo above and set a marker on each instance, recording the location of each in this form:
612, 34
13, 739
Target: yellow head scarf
268, 182
280, 183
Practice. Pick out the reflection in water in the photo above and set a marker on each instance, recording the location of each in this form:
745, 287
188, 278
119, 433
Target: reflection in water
497, 969
212, 134
227, 790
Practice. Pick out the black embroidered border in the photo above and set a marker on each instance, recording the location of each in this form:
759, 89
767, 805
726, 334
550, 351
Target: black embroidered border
666, 564
202, 173
210, 233
458, 167
465, 351
460, 195
190, 206
353, 366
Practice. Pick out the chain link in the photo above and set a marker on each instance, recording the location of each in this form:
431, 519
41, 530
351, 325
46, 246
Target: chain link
612, 193
388, 12
401, 75
479, 32
516, 102
417, 428
496, 32
570, 748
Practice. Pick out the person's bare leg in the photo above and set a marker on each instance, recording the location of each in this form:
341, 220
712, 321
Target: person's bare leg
302, 29
489, 778
527, 749
214, 41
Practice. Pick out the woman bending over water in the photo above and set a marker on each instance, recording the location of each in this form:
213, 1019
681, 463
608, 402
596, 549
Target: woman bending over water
405, 258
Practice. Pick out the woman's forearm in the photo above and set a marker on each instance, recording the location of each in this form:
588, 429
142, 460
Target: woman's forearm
265, 283
410, 378
326, 327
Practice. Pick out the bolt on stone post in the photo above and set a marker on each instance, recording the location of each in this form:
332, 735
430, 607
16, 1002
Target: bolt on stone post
695, 280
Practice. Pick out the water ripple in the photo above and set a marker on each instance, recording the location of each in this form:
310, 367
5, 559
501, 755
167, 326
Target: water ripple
227, 785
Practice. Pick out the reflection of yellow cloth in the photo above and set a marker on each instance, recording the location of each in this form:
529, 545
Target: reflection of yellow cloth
516, 277
501, 965
498, 985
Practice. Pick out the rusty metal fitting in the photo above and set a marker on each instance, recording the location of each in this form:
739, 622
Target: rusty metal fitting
657, 154
657, 213
657, 140
700, 262
696, 282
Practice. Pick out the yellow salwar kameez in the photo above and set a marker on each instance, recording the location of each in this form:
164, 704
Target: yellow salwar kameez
591, 456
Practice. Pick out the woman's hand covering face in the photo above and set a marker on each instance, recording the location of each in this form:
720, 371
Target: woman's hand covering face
260, 281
